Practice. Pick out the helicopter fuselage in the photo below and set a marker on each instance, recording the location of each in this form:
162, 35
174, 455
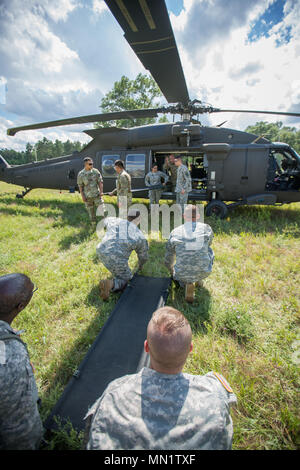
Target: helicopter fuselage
225, 164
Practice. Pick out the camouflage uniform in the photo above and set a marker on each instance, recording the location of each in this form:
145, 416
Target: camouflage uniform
183, 181
154, 179
89, 180
122, 237
190, 243
20, 422
172, 168
155, 411
123, 188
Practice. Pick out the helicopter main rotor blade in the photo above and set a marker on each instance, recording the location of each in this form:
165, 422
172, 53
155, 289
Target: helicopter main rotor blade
216, 110
148, 31
133, 114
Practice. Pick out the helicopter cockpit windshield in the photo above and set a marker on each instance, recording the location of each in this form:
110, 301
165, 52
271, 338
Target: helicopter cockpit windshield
284, 169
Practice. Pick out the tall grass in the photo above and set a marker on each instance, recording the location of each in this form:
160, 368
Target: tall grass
245, 320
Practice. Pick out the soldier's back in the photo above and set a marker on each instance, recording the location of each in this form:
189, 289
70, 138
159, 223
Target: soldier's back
163, 411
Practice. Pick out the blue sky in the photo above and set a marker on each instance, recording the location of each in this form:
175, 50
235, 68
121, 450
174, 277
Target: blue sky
59, 57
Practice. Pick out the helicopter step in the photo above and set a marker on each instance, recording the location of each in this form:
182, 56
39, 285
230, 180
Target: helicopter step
117, 350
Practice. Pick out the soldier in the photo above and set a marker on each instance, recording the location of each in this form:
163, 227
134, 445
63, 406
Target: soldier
122, 237
154, 178
90, 184
190, 244
183, 183
170, 167
123, 186
160, 407
20, 423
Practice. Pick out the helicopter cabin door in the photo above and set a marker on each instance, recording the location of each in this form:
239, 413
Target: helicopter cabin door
136, 163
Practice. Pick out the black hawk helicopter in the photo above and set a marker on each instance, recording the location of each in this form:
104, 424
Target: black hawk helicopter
226, 165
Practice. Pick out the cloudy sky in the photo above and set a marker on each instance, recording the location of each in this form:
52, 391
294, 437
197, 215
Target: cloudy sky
59, 57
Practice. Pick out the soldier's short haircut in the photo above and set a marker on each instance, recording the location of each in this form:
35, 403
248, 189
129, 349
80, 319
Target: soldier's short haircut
191, 212
119, 163
87, 159
133, 214
169, 337
154, 164
13, 292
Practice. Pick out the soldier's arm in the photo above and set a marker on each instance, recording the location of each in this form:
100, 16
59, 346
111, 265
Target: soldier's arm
147, 182
21, 426
142, 251
100, 183
170, 256
81, 187
164, 176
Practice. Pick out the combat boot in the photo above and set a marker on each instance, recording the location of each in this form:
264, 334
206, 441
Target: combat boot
105, 287
189, 292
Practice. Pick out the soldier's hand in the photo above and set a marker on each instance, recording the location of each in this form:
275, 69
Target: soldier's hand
182, 191
84, 198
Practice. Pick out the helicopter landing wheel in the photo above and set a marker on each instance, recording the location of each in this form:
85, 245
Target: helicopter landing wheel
217, 208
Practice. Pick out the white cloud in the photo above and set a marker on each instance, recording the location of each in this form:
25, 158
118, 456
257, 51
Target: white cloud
222, 67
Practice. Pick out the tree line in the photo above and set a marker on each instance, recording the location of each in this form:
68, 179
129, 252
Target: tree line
43, 149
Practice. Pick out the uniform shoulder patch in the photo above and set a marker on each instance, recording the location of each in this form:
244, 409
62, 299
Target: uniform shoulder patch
223, 382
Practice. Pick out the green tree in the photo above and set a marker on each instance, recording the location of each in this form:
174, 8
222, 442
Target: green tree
127, 94
276, 132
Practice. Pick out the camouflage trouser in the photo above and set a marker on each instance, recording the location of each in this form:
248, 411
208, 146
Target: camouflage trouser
119, 269
183, 276
154, 196
182, 199
92, 204
121, 203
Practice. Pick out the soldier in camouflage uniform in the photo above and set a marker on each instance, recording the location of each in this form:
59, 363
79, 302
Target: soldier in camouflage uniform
190, 244
20, 423
121, 238
161, 408
154, 178
123, 187
90, 184
170, 167
183, 183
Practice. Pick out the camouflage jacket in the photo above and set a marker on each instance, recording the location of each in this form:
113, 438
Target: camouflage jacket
183, 179
123, 184
89, 180
155, 178
190, 245
172, 168
155, 411
20, 422
121, 238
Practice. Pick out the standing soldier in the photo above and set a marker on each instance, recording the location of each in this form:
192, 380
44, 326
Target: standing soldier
123, 186
154, 178
170, 167
183, 183
90, 184
190, 244
121, 238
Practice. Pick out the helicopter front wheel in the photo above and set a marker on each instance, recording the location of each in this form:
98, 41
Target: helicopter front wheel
217, 208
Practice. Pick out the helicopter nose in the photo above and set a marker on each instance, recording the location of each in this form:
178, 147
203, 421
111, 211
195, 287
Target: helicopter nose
3, 166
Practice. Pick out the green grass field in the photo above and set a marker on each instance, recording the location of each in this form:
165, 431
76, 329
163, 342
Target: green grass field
245, 320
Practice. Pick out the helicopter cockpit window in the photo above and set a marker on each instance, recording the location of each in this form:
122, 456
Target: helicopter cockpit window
108, 170
282, 171
135, 165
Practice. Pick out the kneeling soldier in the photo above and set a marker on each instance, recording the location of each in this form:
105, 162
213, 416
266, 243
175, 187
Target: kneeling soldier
121, 238
190, 244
